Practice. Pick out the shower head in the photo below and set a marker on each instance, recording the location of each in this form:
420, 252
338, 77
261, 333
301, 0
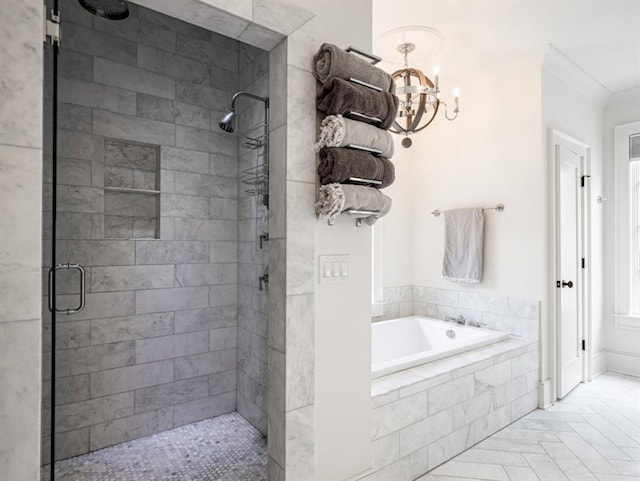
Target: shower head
227, 122
110, 9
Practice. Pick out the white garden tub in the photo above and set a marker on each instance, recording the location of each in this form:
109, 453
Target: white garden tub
410, 341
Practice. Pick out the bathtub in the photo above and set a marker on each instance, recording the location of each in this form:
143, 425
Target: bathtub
410, 341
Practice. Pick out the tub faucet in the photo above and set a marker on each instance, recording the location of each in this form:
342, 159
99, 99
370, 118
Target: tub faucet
476, 324
460, 319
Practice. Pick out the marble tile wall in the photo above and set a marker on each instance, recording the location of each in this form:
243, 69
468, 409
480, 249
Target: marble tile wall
276, 333
253, 253
291, 334
428, 414
300, 255
156, 346
516, 315
20, 223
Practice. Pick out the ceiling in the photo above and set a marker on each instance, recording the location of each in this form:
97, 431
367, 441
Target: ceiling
600, 36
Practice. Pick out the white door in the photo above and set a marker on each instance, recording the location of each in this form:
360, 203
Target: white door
569, 168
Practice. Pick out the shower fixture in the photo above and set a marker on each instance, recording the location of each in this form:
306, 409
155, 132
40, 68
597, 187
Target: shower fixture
109, 9
257, 176
227, 123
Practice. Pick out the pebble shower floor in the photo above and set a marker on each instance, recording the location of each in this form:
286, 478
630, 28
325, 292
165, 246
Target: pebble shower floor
226, 448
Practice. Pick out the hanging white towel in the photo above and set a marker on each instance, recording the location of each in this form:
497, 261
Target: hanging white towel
463, 237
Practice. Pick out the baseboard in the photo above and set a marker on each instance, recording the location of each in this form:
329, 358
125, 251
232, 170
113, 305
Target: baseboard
598, 363
544, 395
623, 362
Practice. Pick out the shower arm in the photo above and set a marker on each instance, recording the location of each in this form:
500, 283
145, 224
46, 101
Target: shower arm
251, 96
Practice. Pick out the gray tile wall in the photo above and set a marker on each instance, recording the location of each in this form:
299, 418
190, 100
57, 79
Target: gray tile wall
156, 346
252, 259
516, 315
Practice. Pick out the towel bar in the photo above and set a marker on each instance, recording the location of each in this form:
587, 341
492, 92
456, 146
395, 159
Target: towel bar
360, 181
498, 207
365, 84
374, 58
363, 116
359, 215
366, 149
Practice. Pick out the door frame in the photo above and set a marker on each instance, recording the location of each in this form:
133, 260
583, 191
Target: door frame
558, 138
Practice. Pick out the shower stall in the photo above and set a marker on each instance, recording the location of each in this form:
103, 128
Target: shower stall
155, 262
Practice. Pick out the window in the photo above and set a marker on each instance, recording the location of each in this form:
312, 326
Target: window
627, 217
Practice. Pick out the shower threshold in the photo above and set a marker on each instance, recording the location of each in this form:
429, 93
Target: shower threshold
223, 448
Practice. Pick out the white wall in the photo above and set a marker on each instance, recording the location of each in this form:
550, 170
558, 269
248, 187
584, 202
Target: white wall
572, 102
343, 311
397, 264
621, 344
489, 155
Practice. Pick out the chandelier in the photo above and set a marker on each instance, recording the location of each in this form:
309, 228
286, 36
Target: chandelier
419, 98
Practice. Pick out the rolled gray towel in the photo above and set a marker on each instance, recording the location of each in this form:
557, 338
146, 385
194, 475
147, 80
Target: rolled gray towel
336, 198
338, 165
338, 96
331, 61
336, 131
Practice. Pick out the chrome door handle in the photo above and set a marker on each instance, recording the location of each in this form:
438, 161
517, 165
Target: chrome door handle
568, 284
52, 272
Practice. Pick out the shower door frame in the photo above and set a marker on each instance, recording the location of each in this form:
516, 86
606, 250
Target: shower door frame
55, 46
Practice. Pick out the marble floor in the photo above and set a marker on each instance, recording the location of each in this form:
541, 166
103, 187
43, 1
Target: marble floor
591, 435
226, 448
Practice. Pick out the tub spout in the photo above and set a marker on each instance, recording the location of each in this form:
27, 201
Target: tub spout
460, 319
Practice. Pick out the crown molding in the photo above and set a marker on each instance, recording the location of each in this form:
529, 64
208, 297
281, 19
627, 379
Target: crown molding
556, 62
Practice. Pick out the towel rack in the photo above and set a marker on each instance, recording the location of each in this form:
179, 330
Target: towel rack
365, 84
373, 58
359, 215
351, 114
371, 150
498, 207
360, 181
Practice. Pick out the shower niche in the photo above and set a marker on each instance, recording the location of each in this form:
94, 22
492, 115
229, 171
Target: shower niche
131, 190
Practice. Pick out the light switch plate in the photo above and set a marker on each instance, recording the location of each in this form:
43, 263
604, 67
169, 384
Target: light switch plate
334, 269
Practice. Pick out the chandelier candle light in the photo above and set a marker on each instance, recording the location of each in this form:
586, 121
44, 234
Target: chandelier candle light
419, 98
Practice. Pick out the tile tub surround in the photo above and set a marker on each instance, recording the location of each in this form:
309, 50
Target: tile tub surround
516, 315
156, 345
426, 415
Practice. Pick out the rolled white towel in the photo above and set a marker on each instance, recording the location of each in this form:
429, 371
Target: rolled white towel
336, 198
336, 131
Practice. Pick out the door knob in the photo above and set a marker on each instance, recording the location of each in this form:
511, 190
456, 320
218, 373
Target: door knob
568, 284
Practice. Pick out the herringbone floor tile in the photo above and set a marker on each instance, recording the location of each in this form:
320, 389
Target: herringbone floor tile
591, 435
